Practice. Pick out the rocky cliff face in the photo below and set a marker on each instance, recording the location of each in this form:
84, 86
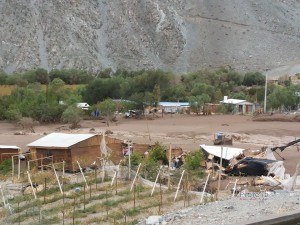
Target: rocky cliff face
176, 35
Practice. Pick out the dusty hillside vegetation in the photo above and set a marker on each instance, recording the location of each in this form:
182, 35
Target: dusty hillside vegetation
180, 35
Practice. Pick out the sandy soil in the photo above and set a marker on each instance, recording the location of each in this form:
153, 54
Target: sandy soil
185, 131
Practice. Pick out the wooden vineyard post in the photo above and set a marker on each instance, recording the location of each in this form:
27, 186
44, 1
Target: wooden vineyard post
83, 198
134, 189
63, 196
96, 178
220, 174
33, 191
74, 210
45, 187
204, 188
155, 182
82, 174
115, 175
179, 185
103, 170
137, 172
90, 192
234, 187
57, 179
160, 192
129, 163
116, 182
19, 213
169, 168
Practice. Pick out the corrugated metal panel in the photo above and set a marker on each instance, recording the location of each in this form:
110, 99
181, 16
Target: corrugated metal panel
232, 101
60, 140
175, 104
9, 147
228, 152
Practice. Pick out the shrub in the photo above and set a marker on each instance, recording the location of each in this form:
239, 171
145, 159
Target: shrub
158, 153
13, 114
192, 160
135, 159
72, 115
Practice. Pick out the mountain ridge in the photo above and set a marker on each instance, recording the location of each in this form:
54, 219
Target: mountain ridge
179, 36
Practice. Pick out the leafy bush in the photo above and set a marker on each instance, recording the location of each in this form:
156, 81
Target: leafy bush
149, 169
47, 113
192, 160
135, 159
158, 153
72, 115
13, 114
225, 108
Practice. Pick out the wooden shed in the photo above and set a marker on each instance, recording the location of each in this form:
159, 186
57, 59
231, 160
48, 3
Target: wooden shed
84, 148
116, 147
6, 151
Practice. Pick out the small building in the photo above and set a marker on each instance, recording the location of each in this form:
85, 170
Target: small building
173, 107
240, 106
84, 148
7, 151
70, 148
295, 79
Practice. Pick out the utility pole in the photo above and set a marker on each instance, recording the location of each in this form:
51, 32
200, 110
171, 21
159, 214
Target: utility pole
266, 87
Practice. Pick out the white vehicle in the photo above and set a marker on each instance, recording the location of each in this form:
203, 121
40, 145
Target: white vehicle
83, 105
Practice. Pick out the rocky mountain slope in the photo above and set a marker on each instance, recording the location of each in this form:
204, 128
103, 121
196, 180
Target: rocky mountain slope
176, 35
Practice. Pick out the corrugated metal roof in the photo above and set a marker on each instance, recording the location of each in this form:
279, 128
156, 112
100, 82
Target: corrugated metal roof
228, 152
9, 147
232, 101
60, 140
176, 104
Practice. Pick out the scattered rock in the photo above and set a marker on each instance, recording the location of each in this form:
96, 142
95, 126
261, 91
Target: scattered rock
154, 220
108, 132
19, 133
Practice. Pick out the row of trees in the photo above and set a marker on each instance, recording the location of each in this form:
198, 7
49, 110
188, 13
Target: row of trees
45, 97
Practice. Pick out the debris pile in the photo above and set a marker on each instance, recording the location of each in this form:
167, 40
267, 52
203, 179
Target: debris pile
266, 171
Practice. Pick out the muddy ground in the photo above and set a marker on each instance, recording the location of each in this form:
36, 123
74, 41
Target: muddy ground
185, 131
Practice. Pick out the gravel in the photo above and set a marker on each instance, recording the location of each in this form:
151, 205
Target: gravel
237, 210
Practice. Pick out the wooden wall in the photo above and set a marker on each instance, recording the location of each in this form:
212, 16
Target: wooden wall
87, 151
6, 153
59, 155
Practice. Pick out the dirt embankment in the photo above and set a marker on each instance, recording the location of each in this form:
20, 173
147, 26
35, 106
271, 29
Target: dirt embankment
278, 117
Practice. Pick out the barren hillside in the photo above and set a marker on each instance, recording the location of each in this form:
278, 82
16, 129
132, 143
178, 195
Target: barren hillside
176, 35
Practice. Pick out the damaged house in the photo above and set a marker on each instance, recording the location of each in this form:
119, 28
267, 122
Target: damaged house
239, 161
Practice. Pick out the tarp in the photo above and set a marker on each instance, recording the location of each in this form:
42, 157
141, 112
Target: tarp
252, 167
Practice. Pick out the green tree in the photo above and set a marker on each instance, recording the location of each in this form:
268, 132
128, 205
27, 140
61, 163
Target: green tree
197, 102
240, 95
156, 94
3, 77
255, 78
57, 89
101, 89
107, 109
42, 76
282, 96
49, 112
72, 115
